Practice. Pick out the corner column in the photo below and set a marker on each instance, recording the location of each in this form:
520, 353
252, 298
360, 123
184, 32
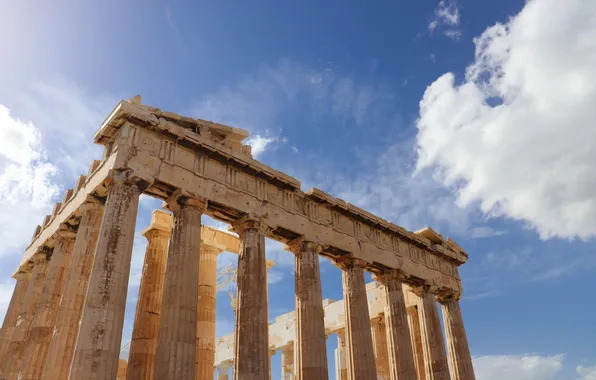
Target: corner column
379, 336
143, 345
433, 347
46, 311
360, 353
66, 329
14, 354
460, 360
177, 342
12, 312
287, 362
251, 333
205, 350
400, 354
311, 348
341, 367
97, 349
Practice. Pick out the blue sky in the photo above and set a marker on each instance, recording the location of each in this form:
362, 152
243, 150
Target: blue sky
473, 117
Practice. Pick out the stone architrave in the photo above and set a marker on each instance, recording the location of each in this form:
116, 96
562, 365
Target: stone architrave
12, 312
359, 347
97, 349
46, 311
433, 347
143, 345
14, 354
61, 350
251, 333
177, 342
205, 350
311, 348
287, 362
400, 354
416, 335
379, 336
460, 360
341, 367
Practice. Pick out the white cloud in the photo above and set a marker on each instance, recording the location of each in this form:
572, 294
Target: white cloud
517, 135
26, 181
518, 367
484, 232
586, 373
259, 144
446, 17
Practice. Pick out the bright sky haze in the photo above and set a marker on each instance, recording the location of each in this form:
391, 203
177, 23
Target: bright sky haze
475, 118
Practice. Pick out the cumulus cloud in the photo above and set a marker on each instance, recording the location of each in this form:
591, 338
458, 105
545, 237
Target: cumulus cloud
27, 183
517, 135
259, 144
518, 367
586, 373
447, 18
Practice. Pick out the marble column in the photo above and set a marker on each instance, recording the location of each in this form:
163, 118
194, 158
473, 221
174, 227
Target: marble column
122, 369
311, 348
416, 336
287, 362
460, 360
223, 372
12, 312
251, 333
359, 348
46, 311
433, 346
97, 348
177, 342
341, 367
379, 336
271, 353
205, 350
400, 354
69, 314
14, 354
143, 345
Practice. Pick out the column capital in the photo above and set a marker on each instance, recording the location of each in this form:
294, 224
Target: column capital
301, 245
392, 274
92, 203
422, 290
181, 198
161, 224
21, 275
128, 177
349, 263
448, 295
210, 248
65, 232
249, 222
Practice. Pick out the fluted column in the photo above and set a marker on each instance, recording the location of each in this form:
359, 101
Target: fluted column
400, 354
14, 354
122, 369
251, 333
66, 329
177, 342
433, 347
311, 349
97, 349
46, 311
205, 354
379, 336
359, 348
287, 362
341, 367
12, 312
143, 345
416, 336
460, 360
223, 372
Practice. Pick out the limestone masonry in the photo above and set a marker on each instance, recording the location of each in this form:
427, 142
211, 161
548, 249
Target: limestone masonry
66, 314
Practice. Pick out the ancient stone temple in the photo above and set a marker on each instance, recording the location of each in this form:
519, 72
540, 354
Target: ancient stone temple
66, 314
